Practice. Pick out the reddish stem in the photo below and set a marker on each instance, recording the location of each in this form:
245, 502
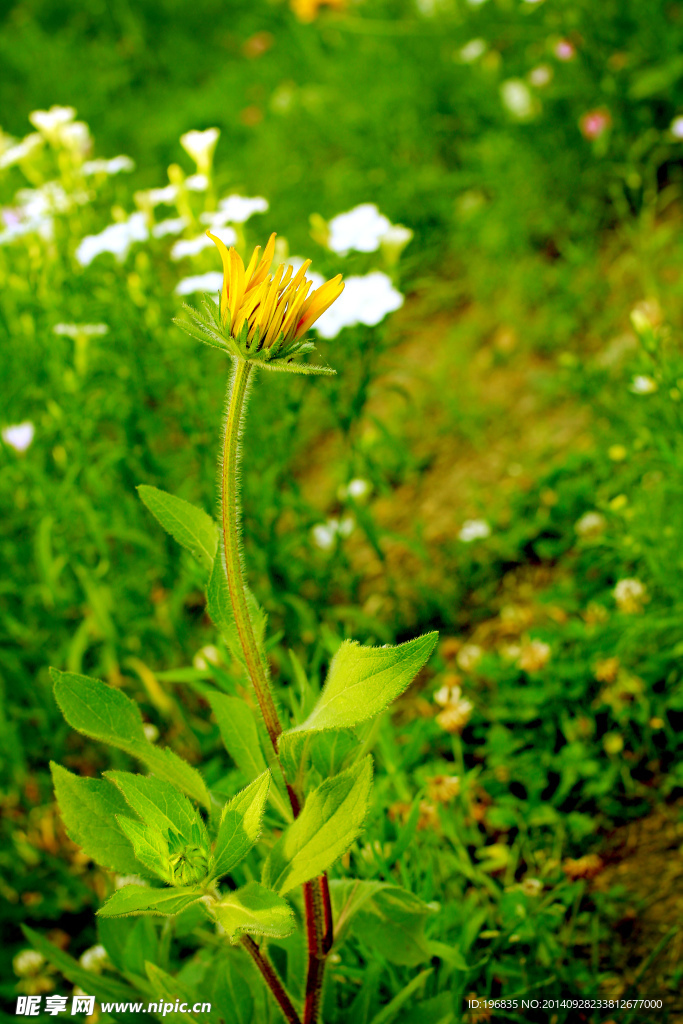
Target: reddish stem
271, 979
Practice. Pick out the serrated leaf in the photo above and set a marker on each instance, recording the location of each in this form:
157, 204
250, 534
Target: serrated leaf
140, 899
240, 826
105, 713
189, 525
237, 724
150, 847
331, 819
362, 681
100, 986
88, 808
254, 910
220, 610
159, 804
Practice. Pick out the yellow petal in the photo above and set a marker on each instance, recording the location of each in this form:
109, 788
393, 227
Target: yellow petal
225, 257
318, 302
261, 271
237, 283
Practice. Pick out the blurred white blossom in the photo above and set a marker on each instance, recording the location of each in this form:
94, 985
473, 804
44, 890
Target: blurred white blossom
80, 330
676, 127
197, 183
210, 282
517, 98
474, 529
472, 51
76, 138
120, 881
358, 488
94, 959
642, 385
27, 962
193, 246
116, 165
207, 655
50, 122
200, 146
170, 226
154, 196
361, 228
19, 436
365, 300
630, 595
116, 239
235, 210
21, 150
591, 524
541, 75
325, 534
151, 732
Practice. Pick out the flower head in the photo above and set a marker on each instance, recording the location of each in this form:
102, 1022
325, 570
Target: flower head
200, 146
595, 123
264, 316
19, 436
630, 595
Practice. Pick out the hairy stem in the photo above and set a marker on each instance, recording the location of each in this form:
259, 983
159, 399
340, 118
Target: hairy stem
271, 979
313, 904
238, 390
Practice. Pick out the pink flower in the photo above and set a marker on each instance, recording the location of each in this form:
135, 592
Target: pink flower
564, 50
595, 123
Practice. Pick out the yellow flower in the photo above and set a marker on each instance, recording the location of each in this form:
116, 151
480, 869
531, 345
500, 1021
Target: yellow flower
272, 309
308, 10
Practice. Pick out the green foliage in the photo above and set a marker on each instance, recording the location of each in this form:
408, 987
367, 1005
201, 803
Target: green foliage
254, 910
240, 826
189, 525
139, 899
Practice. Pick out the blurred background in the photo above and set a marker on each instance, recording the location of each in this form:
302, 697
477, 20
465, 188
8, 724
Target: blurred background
498, 457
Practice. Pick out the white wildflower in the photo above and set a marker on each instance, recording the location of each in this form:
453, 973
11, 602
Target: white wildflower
474, 529
21, 150
116, 165
211, 282
80, 330
193, 246
676, 127
19, 436
154, 196
541, 75
469, 656
116, 239
517, 98
472, 51
151, 732
358, 488
534, 655
76, 138
643, 385
590, 524
197, 183
394, 241
361, 228
235, 210
207, 655
27, 962
94, 959
170, 226
200, 146
325, 534
365, 300
120, 881
50, 122
630, 595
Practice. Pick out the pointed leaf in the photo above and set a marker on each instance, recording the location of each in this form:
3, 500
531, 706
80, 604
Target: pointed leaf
220, 609
362, 681
151, 849
140, 899
254, 910
105, 713
88, 808
237, 724
189, 525
100, 986
240, 826
159, 803
331, 819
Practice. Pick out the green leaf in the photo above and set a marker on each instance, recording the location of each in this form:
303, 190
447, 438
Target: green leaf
390, 920
240, 826
186, 523
237, 724
330, 750
388, 1012
658, 78
331, 819
100, 986
232, 992
141, 899
88, 808
254, 910
220, 610
106, 714
151, 849
173, 990
362, 681
159, 804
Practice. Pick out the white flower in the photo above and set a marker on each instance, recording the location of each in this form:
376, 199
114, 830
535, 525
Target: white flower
211, 282
19, 436
170, 226
151, 732
197, 183
193, 246
122, 880
365, 300
324, 534
469, 656
346, 526
361, 228
472, 51
642, 385
358, 488
590, 524
394, 241
676, 127
116, 239
49, 122
200, 146
21, 151
116, 165
208, 655
27, 962
235, 210
541, 76
630, 595
94, 959
79, 330
167, 195
517, 98
76, 138
474, 529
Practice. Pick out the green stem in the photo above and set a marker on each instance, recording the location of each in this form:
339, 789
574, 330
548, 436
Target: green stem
238, 390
